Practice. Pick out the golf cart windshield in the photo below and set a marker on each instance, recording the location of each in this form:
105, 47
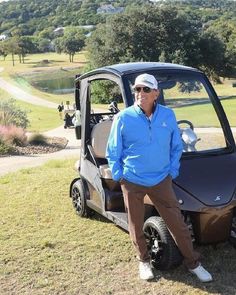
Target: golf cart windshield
192, 101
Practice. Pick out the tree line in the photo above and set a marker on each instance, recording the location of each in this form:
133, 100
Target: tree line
72, 41
197, 33
168, 34
30, 17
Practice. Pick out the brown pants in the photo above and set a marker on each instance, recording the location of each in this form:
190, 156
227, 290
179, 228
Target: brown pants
164, 200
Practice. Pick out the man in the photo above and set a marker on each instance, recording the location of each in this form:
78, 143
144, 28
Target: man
143, 152
60, 109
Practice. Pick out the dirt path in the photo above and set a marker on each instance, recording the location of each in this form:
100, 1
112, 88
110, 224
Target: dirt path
72, 150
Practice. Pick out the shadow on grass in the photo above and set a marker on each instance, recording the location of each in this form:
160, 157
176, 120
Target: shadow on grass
79, 62
99, 218
42, 61
96, 216
220, 261
50, 62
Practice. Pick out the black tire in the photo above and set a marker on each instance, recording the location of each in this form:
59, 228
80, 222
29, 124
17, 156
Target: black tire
163, 251
232, 241
79, 194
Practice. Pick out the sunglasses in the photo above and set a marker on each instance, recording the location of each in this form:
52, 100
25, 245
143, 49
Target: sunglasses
145, 89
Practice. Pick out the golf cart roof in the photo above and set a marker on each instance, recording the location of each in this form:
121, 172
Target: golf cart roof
126, 68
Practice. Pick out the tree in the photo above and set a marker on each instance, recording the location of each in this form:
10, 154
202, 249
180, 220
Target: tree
44, 45
224, 29
20, 46
213, 55
3, 49
71, 42
29, 17
57, 43
11, 46
71, 45
162, 34
47, 33
145, 34
26, 45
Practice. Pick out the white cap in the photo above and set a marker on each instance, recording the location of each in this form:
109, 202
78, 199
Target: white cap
146, 80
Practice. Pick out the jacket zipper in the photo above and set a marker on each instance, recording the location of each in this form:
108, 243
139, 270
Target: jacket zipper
150, 129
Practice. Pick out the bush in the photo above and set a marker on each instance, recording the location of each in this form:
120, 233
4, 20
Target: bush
10, 114
37, 139
12, 135
4, 148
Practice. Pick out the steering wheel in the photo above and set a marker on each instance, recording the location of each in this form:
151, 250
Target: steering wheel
190, 124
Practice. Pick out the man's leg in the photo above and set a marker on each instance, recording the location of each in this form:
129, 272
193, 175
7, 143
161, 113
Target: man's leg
133, 198
164, 199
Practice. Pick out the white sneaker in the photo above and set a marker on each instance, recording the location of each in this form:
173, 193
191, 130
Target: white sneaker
202, 274
145, 271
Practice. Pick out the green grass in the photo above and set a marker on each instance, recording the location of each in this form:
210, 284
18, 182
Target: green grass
229, 106
225, 89
41, 118
204, 115
4, 94
33, 63
54, 74
47, 249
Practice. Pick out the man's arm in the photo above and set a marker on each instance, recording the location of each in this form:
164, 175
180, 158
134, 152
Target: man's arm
114, 149
176, 150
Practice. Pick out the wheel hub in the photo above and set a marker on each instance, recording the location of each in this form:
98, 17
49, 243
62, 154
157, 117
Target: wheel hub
76, 199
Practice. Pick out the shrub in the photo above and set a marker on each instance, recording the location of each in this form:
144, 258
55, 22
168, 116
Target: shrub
10, 114
13, 135
4, 148
37, 139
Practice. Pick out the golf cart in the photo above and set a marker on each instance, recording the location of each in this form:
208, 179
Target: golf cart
69, 115
206, 186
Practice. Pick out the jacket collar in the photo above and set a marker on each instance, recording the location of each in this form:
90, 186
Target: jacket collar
139, 110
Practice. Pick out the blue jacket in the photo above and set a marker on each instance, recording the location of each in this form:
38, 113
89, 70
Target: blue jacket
144, 151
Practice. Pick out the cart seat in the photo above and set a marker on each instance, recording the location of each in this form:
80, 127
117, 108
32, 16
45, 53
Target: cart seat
99, 138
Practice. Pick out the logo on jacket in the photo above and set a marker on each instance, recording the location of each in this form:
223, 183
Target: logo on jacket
164, 124
218, 198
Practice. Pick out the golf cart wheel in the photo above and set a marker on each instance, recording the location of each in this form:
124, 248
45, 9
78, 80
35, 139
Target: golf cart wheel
78, 195
232, 241
163, 251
